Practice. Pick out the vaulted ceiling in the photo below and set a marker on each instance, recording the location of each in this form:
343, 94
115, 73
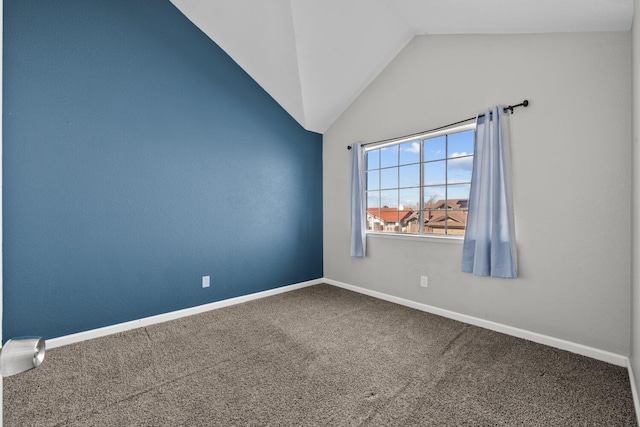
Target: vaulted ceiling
314, 57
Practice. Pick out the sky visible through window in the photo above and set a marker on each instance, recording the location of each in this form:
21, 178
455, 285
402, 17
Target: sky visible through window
394, 173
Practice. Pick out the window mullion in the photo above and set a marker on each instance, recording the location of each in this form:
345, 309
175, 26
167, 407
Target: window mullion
446, 184
421, 197
398, 189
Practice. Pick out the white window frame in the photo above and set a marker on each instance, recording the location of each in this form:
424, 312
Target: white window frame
421, 137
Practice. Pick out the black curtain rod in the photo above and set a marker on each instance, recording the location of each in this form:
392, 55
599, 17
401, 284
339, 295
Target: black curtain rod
524, 103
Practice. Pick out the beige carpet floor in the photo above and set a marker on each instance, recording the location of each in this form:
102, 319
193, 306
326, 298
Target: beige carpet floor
318, 356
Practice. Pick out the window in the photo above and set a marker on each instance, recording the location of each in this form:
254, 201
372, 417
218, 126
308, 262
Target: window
421, 185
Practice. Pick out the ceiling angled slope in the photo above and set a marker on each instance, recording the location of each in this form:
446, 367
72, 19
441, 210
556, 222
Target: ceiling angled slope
315, 57
342, 46
259, 36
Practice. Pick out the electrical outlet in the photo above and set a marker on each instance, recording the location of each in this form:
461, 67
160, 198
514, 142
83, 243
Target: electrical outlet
424, 281
206, 280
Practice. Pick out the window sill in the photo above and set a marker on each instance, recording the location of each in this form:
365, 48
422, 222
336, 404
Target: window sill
458, 240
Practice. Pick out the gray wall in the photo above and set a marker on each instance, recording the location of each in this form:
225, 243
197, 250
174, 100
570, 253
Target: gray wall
571, 162
635, 213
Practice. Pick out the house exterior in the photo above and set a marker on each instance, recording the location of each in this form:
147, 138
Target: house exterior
394, 220
441, 217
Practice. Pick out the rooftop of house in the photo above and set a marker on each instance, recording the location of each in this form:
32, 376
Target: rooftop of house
452, 210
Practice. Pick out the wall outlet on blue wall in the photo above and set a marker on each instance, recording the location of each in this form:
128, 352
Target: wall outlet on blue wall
141, 136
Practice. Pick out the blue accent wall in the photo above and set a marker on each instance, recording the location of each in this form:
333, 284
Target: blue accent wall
138, 157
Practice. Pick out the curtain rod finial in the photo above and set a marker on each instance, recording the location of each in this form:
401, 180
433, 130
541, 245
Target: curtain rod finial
525, 103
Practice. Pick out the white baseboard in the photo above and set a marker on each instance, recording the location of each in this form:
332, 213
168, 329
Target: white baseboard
634, 390
594, 353
121, 327
584, 350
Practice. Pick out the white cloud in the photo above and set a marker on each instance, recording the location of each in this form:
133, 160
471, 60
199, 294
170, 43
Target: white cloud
414, 148
462, 163
460, 154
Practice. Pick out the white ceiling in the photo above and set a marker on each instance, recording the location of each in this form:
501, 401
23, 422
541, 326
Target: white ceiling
314, 57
